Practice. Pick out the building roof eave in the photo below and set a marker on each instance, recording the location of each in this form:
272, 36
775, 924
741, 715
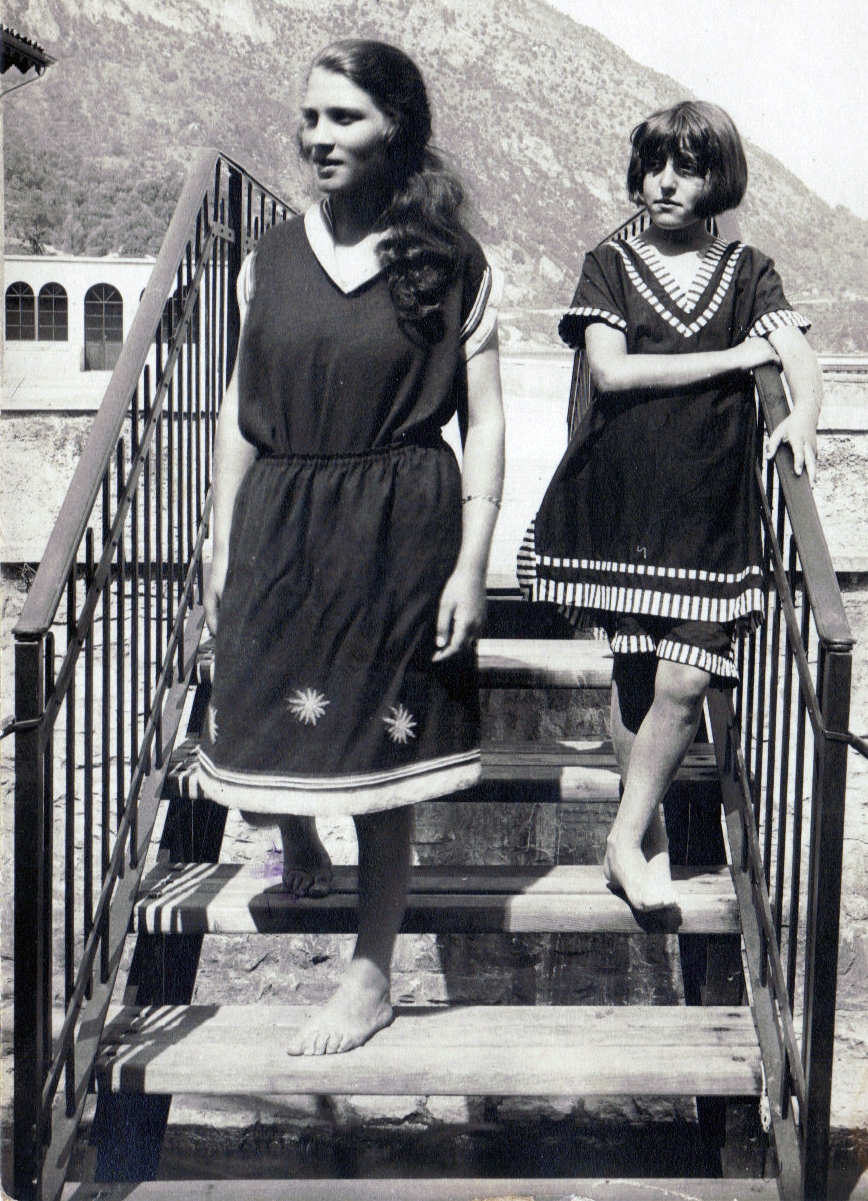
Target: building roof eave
21, 52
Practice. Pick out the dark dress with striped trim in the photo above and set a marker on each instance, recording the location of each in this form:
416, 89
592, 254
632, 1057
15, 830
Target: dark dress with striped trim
653, 508
344, 532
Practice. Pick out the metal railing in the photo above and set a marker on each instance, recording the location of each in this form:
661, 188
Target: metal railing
104, 650
781, 742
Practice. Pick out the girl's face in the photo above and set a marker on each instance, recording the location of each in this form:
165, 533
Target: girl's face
343, 134
671, 191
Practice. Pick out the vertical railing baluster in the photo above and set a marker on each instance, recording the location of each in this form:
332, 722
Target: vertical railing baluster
798, 808
87, 850
784, 779
823, 914
135, 451
69, 837
771, 761
159, 573
147, 649
47, 915
105, 743
120, 638
32, 883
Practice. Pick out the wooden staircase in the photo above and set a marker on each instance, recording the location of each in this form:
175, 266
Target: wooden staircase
159, 1044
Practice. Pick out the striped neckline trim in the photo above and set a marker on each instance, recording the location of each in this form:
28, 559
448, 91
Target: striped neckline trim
685, 299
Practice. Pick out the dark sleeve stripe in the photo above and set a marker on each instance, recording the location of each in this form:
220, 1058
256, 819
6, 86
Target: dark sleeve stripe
479, 305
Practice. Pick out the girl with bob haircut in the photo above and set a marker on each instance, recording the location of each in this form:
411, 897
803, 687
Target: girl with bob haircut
349, 550
650, 526
692, 132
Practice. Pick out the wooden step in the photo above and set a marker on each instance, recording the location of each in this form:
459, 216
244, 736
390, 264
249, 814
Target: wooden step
462, 1051
513, 663
565, 770
227, 898
444, 1189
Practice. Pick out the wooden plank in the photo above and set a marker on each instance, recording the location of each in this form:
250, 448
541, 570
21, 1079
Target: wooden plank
515, 663
443, 1189
463, 1051
566, 770
233, 899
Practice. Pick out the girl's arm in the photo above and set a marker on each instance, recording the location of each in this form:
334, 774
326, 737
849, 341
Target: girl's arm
805, 381
462, 603
614, 370
233, 454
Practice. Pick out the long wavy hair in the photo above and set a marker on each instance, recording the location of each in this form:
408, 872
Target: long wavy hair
420, 251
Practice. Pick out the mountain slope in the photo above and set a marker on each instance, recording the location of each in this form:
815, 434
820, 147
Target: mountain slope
535, 108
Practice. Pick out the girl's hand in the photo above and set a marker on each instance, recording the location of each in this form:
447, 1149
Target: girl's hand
754, 352
800, 430
214, 582
461, 613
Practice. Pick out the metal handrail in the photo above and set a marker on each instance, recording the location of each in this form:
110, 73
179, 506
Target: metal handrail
821, 582
50, 580
105, 648
783, 733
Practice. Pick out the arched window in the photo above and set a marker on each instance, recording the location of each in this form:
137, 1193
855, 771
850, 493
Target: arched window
53, 314
20, 313
103, 327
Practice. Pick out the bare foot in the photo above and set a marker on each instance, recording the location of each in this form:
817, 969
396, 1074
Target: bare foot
307, 869
655, 846
627, 870
358, 1009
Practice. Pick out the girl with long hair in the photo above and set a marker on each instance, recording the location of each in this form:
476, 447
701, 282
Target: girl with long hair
350, 553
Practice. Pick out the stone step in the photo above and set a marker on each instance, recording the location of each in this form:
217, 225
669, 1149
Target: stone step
513, 663
444, 1189
563, 770
227, 898
473, 1050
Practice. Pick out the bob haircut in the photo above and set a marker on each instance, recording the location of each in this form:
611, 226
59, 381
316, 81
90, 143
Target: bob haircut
702, 135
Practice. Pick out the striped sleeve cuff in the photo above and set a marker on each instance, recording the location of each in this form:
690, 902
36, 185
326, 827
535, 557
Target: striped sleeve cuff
572, 325
779, 319
481, 323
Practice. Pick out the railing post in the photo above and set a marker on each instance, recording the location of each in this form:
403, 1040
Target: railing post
234, 257
824, 900
31, 893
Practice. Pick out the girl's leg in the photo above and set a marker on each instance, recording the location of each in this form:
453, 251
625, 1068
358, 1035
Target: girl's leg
361, 1005
632, 697
307, 869
656, 752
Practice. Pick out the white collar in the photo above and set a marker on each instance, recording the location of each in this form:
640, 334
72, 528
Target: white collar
347, 267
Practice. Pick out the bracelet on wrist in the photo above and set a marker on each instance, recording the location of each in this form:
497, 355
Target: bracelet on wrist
492, 500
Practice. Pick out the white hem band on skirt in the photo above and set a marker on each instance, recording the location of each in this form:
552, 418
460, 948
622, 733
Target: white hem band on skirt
331, 796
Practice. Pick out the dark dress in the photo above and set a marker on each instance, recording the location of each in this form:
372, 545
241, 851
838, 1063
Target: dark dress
653, 509
344, 532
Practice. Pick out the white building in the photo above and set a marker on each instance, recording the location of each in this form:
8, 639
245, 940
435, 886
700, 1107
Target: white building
65, 321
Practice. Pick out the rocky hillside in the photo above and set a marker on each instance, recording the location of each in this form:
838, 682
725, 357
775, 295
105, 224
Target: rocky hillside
535, 108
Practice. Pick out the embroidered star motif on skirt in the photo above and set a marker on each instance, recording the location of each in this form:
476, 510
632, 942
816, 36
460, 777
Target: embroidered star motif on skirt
400, 724
307, 705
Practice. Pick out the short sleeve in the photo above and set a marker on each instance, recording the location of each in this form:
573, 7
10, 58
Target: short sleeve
481, 293
245, 284
595, 300
770, 309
